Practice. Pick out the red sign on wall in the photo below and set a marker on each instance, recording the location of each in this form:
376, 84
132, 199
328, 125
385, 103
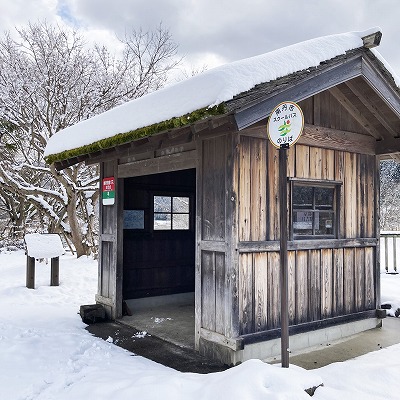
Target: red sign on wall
108, 191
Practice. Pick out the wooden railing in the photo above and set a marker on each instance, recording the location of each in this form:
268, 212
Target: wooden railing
390, 251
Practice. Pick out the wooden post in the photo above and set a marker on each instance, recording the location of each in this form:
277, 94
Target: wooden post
30, 272
387, 253
284, 255
55, 267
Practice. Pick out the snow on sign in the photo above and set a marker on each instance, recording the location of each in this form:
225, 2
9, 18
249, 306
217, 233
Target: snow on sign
285, 124
108, 191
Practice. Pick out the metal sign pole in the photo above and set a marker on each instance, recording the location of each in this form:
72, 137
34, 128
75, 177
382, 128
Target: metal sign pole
284, 128
283, 255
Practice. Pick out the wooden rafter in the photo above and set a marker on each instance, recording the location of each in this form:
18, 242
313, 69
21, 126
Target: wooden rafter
355, 113
381, 85
371, 108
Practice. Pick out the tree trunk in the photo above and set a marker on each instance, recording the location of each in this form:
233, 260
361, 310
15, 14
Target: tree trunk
76, 236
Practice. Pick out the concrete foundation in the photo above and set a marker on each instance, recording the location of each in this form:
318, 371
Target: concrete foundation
270, 350
172, 318
304, 342
168, 317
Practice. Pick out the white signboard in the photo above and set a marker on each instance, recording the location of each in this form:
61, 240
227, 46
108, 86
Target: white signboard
285, 124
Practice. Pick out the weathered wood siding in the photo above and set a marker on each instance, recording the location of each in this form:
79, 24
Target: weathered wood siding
324, 110
253, 190
213, 189
216, 307
323, 283
259, 195
110, 247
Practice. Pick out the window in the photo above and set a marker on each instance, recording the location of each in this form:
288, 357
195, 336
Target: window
171, 213
314, 210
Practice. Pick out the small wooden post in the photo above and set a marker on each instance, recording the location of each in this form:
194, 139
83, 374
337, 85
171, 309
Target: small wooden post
47, 246
54, 277
30, 272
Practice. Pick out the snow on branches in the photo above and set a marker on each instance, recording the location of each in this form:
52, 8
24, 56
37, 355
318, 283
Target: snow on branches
51, 79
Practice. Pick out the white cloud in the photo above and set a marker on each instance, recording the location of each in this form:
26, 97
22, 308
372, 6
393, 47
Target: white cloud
218, 30
15, 13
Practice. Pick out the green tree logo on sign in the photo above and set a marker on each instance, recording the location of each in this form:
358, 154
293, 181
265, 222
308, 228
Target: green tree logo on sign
285, 128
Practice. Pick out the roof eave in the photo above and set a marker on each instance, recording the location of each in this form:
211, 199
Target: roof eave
304, 84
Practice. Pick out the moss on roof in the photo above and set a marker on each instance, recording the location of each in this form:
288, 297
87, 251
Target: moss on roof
126, 137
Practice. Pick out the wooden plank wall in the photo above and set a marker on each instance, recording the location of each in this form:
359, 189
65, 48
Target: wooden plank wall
110, 247
213, 299
253, 189
108, 221
213, 189
323, 283
259, 195
211, 212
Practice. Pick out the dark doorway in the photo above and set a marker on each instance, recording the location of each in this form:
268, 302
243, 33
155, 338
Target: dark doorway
159, 234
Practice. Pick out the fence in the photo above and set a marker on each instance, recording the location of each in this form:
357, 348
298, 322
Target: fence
389, 251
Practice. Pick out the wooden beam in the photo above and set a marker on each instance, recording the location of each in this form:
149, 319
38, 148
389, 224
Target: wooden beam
234, 344
354, 112
104, 300
157, 165
388, 146
372, 40
395, 157
295, 245
151, 143
316, 82
55, 271
199, 126
307, 327
381, 85
212, 245
337, 140
327, 138
371, 108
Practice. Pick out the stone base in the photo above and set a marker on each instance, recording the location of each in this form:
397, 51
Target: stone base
92, 313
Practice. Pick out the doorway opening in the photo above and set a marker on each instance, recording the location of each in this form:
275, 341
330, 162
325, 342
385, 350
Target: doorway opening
159, 254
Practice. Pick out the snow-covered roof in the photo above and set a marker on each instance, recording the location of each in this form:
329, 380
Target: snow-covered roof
208, 89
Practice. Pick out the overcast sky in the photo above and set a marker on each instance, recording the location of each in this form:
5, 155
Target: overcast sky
213, 32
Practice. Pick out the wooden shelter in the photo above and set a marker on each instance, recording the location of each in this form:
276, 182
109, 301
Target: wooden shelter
197, 210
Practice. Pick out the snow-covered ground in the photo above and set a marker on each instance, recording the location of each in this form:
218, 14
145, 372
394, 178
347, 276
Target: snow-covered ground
45, 352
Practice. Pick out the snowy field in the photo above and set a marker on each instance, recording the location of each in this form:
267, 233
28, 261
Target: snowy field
46, 354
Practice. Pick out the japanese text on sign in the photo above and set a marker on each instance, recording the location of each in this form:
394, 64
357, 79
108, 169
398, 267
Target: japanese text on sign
285, 124
108, 191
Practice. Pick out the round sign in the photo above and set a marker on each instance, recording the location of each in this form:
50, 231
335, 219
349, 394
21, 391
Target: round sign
285, 124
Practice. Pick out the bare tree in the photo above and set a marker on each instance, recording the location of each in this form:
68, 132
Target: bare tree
49, 80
